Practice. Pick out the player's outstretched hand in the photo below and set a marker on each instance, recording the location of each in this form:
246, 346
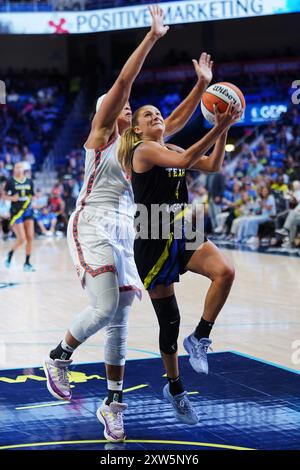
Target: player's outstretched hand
203, 68
158, 29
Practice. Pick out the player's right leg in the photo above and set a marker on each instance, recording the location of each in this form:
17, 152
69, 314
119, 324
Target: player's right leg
166, 309
103, 292
110, 413
18, 229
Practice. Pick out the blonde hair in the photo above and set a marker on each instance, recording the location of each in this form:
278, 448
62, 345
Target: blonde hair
127, 143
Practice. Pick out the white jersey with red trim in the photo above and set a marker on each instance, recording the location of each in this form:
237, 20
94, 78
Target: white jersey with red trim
101, 230
106, 187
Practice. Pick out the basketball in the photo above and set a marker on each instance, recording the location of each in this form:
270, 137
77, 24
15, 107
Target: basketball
221, 94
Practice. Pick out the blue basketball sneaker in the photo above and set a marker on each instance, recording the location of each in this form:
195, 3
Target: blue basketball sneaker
7, 262
29, 268
197, 350
183, 408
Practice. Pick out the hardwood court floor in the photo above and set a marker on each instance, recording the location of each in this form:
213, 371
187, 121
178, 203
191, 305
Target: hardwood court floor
261, 317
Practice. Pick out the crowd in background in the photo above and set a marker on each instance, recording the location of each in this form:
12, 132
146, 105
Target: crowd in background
256, 193
34, 109
36, 103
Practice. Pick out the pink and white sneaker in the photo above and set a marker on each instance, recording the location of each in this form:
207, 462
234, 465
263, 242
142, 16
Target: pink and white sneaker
111, 416
57, 374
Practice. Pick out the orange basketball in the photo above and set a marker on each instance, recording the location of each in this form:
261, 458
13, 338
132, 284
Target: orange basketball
221, 94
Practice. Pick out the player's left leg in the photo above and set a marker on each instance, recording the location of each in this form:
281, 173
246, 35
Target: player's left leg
29, 234
210, 262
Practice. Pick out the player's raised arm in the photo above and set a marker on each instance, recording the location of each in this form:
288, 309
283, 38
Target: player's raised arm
115, 100
153, 153
214, 162
181, 115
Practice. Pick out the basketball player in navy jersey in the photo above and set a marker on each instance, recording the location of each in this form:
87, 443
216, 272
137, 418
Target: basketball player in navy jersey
158, 178
19, 190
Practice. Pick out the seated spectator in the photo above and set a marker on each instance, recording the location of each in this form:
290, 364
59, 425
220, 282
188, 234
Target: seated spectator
28, 156
244, 208
263, 152
4, 173
241, 168
8, 165
254, 168
228, 208
46, 222
39, 200
215, 186
57, 205
280, 185
70, 194
271, 133
292, 223
264, 210
246, 152
15, 155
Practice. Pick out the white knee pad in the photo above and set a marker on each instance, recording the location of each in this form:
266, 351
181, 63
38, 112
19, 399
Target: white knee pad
117, 332
103, 292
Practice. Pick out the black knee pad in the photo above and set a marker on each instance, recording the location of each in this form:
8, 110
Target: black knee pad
167, 313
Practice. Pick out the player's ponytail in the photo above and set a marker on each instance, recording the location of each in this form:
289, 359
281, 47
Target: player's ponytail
127, 144
128, 140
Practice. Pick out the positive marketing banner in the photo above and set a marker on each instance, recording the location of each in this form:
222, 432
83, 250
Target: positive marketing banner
137, 16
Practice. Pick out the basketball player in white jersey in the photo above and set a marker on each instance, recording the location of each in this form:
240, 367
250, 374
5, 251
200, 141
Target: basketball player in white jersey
101, 234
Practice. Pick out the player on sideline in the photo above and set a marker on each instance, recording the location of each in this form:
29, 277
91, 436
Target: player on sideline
19, 190
158, 177
105, 263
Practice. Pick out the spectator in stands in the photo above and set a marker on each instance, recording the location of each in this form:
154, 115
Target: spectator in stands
241, 168
15, 155
215, 186
8, 163
39, 200
57, 205
265, 211
70, 194
246, 153
283, 138
243, 209
28, 156
254, 168
280, 185
263, 152
229, 202
46, 221
271, 133
4, 173
249, 186
292, 223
